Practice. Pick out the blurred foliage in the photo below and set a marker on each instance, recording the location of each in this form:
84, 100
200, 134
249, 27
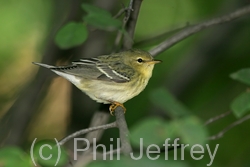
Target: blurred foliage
168, 103
100, 18
72, 34
144, 161
154, 130
241, 104
191, 85
13, 156
242, 76
22, 23
49, 149
150, 130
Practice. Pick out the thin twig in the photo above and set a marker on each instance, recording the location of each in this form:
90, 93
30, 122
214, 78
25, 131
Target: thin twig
221, 133
130, 27
84, 131
218, 117
123, 129
125, 20
83, 161
120, 12
128, 10
150, 40
117, 151
118, 39
99, 118
125, 9
198, 27
86, 158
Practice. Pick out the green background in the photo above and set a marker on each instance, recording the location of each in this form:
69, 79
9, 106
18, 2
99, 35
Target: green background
195, 71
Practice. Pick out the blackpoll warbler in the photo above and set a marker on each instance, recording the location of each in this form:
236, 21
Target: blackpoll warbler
110, 79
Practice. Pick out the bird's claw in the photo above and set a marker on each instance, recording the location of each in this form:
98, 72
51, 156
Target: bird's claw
114, 105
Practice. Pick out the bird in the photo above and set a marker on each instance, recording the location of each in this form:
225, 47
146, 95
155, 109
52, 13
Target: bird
109, 79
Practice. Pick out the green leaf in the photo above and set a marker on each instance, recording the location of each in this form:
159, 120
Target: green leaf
241, 104
46, 153
101, 18
152, 131
72, 34
191, 130
13, 156
165, 100
103, 22
242, 76
93, 10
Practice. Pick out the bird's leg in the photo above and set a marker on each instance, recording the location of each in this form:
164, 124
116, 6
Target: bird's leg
114, 105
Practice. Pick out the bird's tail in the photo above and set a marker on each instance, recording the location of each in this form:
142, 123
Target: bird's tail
63, 73
44, 65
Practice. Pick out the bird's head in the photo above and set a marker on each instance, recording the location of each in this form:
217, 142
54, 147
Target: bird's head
141, 61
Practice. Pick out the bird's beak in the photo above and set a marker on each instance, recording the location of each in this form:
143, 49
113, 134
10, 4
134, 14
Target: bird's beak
154, 61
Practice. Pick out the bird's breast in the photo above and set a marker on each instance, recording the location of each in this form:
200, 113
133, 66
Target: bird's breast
107, 92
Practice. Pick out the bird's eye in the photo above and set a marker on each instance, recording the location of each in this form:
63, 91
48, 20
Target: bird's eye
139, 60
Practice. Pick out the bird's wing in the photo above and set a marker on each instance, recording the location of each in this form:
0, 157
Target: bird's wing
93, 68
107, 71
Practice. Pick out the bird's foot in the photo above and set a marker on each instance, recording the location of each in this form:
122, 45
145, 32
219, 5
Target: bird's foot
114, 105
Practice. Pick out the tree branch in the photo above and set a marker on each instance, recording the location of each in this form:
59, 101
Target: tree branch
100, 118
221, 133
130, 27
123, 129
128, 11
196, 28
125, 20
120, 12
158, 37
218, 117
84, 131
119, 112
